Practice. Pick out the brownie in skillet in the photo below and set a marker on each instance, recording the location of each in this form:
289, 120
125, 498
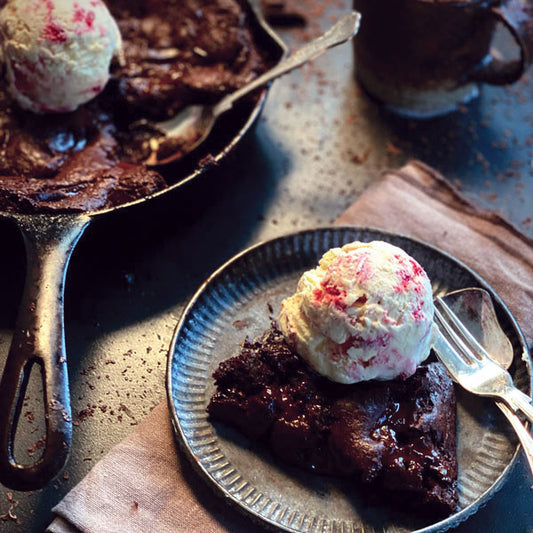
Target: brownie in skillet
175, 53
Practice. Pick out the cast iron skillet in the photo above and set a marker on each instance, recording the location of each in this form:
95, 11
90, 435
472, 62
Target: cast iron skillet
39, 332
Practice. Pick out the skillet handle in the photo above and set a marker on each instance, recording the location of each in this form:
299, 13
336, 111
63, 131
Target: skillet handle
39, 339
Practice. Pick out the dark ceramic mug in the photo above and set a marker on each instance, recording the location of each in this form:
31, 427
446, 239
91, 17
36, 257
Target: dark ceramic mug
424, 57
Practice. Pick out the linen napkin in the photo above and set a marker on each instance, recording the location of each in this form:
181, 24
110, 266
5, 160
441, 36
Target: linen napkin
144, 485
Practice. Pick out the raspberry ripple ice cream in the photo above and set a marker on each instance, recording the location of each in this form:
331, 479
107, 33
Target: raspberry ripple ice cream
366, 312
57, 52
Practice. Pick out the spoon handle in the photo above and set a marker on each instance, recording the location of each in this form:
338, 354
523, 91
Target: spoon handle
522, 433
345, 28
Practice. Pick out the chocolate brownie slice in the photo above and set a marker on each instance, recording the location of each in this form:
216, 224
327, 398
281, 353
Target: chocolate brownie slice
396, 437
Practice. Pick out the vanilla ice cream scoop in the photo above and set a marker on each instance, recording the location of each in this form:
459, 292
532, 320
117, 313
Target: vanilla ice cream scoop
57, 52
366, 312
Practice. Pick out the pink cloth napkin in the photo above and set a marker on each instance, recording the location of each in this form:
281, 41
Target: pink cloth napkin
419, 202
143, 484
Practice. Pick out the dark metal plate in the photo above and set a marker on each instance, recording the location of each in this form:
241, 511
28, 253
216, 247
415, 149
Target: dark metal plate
234, 303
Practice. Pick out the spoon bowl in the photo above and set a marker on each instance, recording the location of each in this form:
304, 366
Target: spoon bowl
181, 134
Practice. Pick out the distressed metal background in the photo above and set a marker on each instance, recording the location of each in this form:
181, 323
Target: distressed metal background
319, 143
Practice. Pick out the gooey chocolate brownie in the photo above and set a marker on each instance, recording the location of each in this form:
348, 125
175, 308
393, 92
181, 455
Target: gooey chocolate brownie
397, 437
175, 53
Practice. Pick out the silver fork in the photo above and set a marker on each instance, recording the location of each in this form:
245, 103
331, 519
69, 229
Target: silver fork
472, 367
470, 364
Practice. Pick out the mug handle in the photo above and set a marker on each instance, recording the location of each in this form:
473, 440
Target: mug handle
517, 16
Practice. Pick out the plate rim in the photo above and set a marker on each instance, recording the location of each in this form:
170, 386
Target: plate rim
437, 527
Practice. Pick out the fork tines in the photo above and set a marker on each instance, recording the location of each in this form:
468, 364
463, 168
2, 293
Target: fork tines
456, 332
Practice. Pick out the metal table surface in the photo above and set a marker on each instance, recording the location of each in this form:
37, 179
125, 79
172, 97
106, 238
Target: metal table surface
319, 142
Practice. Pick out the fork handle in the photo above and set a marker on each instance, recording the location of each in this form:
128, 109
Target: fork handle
526, 440
518, 400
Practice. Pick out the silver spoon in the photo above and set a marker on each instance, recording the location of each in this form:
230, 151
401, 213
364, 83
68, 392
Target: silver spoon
194, 123
475, 309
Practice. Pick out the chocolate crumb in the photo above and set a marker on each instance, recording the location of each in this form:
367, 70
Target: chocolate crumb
85, 413
38, 445
393, 149
207, 161
359, 159
10, 515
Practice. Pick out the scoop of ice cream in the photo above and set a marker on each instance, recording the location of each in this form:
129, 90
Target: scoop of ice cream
57, 52
366, 312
